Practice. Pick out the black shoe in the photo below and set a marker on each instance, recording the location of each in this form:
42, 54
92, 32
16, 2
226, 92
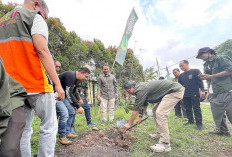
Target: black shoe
200, 127
223, 133
189, 123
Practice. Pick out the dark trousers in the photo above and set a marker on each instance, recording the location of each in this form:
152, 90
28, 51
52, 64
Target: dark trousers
221, 107
193, 104
10, 145
180, 106
86, 107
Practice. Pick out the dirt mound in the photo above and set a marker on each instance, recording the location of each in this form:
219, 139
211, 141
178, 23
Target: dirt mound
102, 143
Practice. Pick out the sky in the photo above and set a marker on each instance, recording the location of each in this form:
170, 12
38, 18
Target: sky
170, 30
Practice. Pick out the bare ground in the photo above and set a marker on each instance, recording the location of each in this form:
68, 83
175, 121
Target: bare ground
102, 143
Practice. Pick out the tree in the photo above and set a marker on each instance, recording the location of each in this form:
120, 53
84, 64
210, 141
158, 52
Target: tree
150, 74
225, 48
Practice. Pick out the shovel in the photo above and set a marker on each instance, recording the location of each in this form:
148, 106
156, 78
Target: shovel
121, 123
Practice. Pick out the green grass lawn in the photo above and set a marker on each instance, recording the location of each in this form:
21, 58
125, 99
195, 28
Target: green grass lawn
186, 141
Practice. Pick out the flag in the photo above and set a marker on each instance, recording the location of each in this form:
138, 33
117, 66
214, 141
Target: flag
121, 53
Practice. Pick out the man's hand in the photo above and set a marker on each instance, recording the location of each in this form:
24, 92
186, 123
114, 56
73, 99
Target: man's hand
205, 77
139, 120
116, 95
60, 93
202, 94
98, 98
79, 110
126, 126
81, 102
87, 99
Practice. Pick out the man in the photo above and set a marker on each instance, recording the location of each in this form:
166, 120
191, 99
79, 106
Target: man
194, 89
12, 118
168, 94
218, 70
107, 92
27, 59
82, 94
57, 66
179, 105
70, 81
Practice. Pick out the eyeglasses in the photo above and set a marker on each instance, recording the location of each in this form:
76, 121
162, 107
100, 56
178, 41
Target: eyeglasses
58, 66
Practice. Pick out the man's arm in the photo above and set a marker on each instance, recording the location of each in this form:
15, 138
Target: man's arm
199, 80
40, 44
99, 88
115, 87
226, 65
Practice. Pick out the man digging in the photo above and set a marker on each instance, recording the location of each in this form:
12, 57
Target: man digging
166, 94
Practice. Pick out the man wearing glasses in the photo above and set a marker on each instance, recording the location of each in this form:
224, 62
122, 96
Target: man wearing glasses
24, 50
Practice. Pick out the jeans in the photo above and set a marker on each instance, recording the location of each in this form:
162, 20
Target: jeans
72, 114
62, 113
193, 104
86, 107
44, 105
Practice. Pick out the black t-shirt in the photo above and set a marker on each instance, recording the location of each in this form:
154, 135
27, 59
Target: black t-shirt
192, 82
70, 83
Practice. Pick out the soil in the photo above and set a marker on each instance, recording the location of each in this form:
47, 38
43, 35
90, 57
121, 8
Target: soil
98, 143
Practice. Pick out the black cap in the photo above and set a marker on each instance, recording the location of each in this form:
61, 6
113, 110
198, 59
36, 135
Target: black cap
129, 84
204, 50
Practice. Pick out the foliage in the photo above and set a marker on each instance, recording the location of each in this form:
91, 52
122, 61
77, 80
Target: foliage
150, 74
6, 8
225, 48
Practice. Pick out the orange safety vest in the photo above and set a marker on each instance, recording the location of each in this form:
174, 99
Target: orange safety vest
17, 51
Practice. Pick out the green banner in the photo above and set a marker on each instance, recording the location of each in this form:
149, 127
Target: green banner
121, 53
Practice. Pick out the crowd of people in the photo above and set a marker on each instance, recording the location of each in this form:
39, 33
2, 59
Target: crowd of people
30, 85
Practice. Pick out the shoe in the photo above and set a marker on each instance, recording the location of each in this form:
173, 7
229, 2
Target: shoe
64, 141
161, 147
200, 127
154, 136
71, 135
218, 132
189, 123
92, 124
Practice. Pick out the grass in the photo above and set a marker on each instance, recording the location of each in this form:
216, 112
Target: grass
186, 141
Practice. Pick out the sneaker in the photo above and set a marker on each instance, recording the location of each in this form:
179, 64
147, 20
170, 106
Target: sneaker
218, 132
92, 124
200, 127
161, 147
64, 141
71, 135
154, 136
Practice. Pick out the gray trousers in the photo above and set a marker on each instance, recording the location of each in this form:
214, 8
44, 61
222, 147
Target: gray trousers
221, 107
44, 105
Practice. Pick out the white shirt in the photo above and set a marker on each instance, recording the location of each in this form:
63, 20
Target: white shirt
39, 27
